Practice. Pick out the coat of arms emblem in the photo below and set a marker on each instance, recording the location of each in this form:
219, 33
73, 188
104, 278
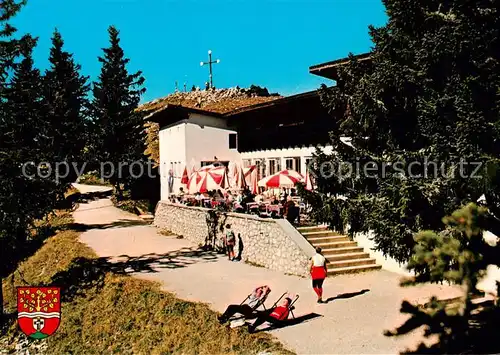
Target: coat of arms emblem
38, 310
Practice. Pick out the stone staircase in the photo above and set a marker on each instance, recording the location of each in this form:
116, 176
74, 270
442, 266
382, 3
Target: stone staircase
343, 255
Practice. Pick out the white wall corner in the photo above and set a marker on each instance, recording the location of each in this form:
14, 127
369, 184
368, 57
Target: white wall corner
365, 240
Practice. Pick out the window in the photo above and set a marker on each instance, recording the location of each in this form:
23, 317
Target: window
274, 166
261, 169
293, 164
298, 168
233, 144
247, 163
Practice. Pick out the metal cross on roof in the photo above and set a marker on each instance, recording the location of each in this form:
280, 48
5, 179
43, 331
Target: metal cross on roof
210, 62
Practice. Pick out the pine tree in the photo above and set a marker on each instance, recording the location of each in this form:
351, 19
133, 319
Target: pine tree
428, 94
118, 127
10, 49
65, 93
458, 255
24, 195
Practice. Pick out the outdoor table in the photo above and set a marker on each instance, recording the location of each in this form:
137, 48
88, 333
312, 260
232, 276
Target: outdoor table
274, 208
252, 205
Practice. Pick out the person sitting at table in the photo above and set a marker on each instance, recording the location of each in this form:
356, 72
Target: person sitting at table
239, 197
275, 201
289, 210
258, 198
199, 198
213, 203
283, 196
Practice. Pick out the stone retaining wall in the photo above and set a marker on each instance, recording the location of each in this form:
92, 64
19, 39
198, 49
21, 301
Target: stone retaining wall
270, 243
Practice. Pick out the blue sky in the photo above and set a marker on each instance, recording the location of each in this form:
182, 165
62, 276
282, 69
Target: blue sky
268, 43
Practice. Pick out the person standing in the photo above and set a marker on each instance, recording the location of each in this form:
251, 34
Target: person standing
318, 273
230, 242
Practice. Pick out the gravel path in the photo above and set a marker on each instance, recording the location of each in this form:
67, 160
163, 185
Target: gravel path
91, 188
352, 323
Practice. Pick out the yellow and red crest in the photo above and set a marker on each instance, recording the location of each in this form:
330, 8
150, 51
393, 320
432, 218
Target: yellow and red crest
38, 310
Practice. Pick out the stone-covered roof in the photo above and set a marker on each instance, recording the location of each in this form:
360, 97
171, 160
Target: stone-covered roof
220, 101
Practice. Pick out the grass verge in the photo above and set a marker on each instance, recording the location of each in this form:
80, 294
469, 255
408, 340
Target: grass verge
106, 312
93, 178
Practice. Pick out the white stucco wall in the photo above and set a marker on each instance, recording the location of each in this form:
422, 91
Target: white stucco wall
172, 149
388, 263
189, 142
205, 143
487, 284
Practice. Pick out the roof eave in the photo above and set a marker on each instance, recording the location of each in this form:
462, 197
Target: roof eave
272, 103
329, 69
158, 115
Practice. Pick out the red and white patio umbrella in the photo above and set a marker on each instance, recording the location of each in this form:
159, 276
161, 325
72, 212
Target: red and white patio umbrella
232, 172
194, 182
240, 182
253, 182
293, 174
213, 180
307, 182
279, 180
207, 168
207, 179
248, 173
185, 176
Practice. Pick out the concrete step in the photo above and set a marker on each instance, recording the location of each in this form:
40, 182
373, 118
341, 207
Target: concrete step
353, 269
333, 245
325, 233
327, 252
335, 238
311, 229
347, 256
348, 263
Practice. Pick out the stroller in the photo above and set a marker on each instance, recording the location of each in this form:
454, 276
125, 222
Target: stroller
238, 319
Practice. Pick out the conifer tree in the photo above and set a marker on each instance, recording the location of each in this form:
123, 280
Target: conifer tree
425, 101
118, 127
65, 94
459, 255
24, 197
10, 49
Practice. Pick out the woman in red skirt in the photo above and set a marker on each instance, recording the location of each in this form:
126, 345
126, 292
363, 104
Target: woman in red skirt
318, 273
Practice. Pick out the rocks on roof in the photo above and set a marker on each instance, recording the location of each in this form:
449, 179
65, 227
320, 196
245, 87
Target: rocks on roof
213, 100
